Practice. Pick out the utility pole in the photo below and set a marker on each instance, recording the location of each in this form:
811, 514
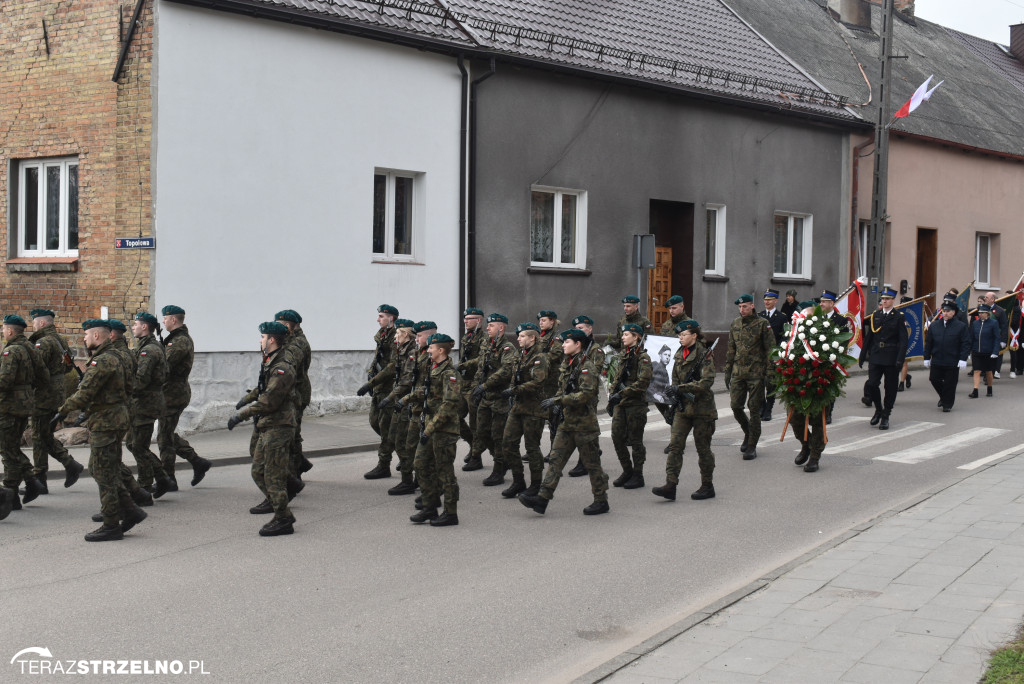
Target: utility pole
880, 187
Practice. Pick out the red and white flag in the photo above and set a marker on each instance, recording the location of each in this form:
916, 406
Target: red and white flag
919, 96
851, 305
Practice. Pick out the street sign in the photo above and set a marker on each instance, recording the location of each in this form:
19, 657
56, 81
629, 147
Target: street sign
135, 243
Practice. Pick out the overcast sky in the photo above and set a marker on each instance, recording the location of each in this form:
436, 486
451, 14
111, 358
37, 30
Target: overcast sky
989, 19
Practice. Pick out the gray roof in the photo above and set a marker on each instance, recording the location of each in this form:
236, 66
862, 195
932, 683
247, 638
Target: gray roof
998, 56
699, 46
977, 106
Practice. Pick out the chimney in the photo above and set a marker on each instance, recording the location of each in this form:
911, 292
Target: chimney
853, 13
905, 6
1017, 41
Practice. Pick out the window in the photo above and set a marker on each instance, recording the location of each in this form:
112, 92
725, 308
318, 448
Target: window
714, 241
983, 260
48, 207
558, 228
394, 215
792, 246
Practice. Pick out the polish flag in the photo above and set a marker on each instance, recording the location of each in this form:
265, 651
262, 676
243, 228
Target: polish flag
919, 96
851, 305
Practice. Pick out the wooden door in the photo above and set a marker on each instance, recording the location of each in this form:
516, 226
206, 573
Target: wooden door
927, 261
659, 286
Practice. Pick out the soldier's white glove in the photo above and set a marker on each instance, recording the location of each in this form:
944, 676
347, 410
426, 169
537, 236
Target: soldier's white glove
961, 364
927, 363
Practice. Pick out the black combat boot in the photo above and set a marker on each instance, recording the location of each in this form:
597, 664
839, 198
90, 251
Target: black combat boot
518, 485
534, 488
161, 487
745, 445
667, 490
866, 401
973, 394
812, 465
537, 503
16, 504
876, 417
446, 519
751, 453
172, 483
263, 507
496, 477
801, 458
596, 508
294, 486
424, 515
668, 447
406, 486
474, 463
706, 491
72, 471
142, 498
278, 526
105, 533
132, 517
627, 472
636, 481
45, 488
7, 498
199, 468
33, 488
382, 471
884, 424
578, 470
305, 465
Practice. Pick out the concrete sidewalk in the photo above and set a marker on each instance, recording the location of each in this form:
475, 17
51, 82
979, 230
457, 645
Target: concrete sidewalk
921, 594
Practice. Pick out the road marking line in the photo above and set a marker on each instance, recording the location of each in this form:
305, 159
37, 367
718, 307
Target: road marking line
941, 447
882, 436
994, 457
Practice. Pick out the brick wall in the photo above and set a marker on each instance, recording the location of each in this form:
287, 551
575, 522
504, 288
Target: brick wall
64, 103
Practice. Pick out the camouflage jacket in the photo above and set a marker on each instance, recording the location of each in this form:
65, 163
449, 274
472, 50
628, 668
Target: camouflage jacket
381, 372
750, 346
302, 356
128, 366
530, 374
444, 399
470, 347
272, 403
552, 347
180, 353
577, 395
418, 395
595, 353
494, 371
50, 347
703, 404
668, 328
150, 372
633, 378
405, 360
21, 370
616, 342
101, 392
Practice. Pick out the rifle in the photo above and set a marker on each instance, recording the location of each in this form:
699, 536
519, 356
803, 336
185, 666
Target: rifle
624, 373
426, 398
376, 366
70, 361
485, 367
571, 385
693, 376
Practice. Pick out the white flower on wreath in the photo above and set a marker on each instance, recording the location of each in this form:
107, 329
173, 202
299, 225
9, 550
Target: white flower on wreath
814, 331
831, 357
802, 336
826, 346
822, 338
827, 324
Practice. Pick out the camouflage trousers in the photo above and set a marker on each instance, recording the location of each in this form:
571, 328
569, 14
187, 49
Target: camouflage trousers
171, 444
105, 468
815, 440
140, 438
387, 444
435, 471
296, 445
628, 425
44, 444
490, 429
517, 427
750, 392
271, 456
380, 419
17, 467
400, 423
565, 443
703, 431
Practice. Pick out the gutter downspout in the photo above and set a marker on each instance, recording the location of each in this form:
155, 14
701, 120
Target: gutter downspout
471, 232
854, 222
463, 144
128, 40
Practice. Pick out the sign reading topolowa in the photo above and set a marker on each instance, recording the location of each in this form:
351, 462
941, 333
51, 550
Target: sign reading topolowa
135, 243
37, 660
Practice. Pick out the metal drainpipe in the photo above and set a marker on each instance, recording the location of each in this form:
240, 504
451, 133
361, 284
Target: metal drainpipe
854, 222
463, 104
471, 233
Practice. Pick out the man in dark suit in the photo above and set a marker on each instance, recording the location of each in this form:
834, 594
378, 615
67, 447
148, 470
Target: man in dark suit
777, 321
946, 348
885, 348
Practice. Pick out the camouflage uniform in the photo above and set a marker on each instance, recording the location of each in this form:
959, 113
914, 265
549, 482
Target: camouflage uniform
471, 347
415, 400
494, 371
552, 347
814, 443
435, 460
147, 406
668, 328
642, 321
698, 415
21, 369
630, 416
530, 374
51, 347
406, 370
301, 356
126, 361
272, 406
381, 374
179, 351
577, 396
747, 369
102, 393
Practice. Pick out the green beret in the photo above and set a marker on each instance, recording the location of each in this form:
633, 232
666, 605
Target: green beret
424, 326
289, 315
439, 338
117, 325
673, 300
547, 314
527, 326
573, 334
806, 305
404, 323
497, 318
633, 328
91, 323
630, 299
147, 318
744, 299
273, 328
582, 319
172, 310
36, 313
15, 319
473, 311
388, 309
688, 324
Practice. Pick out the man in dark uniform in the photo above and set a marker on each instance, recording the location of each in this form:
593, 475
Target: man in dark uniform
631, 314
946, 348
747, 370
777, 321
470, 346
21, 368
676, 314
147, 402
884, 348
526, 417
302, 355
380, 381
549, 343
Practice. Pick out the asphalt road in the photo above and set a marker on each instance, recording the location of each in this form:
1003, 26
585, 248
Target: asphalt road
359, 594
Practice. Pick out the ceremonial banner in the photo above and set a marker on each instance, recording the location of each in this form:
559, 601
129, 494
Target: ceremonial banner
851, 305
913, 314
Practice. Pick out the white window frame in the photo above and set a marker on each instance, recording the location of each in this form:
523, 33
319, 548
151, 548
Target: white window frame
416, 226
987, 238
579, 261
719, 268
65, 164
808, 225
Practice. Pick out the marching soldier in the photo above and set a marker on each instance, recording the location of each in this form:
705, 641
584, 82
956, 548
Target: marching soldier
147, 402
470, 347
576, 399
21, 369
884, 348
102, 393
777, 321
692, 374
676, 314
53, 350
526, 417
593, 351
435, 454
381, 379
631, 314
179, 350
417, 397
272, 406
406, 372
549, 343
627, 404
302, 355
493, 371
747, 369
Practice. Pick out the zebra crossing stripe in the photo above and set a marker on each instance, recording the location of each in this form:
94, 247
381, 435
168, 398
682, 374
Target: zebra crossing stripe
994, 457
880, 437
941, 447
